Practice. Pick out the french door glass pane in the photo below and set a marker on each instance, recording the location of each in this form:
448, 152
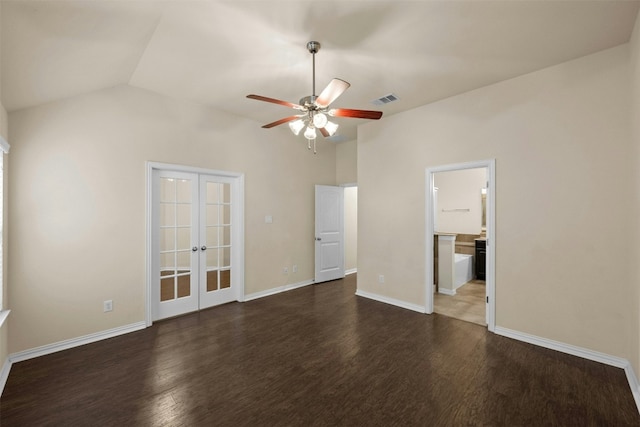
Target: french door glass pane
184, 260
184, 238
225, 279
213, 217
226, 214
226, 236
184, 285
168, 190
167, 213
183, 191
167, 239
226, 193
212, 258
167, 261
184, 215
226, 257
212, 236
212, 280
167, 289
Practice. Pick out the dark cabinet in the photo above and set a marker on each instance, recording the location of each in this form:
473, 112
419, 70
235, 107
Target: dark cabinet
481, 258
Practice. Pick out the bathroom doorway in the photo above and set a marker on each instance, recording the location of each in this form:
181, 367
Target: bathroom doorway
466, 215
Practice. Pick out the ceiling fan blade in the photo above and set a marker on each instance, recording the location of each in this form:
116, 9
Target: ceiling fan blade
324, 132
357, 114
334, 89
275, 101
281, 121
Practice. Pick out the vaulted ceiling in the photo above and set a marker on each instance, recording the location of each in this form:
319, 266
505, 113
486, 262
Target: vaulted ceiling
216, 52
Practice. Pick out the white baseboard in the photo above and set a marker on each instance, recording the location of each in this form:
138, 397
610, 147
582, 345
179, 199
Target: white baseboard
350, 271
585, 353
75, 342
392, 301
450, 292
4, 374
277, 290
633, 383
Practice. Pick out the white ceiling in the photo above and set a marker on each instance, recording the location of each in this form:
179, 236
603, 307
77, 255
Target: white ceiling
216, 52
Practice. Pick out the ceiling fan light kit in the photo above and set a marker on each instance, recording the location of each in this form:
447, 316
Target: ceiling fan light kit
315, 109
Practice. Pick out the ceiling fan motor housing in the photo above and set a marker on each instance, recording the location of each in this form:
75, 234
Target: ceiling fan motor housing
309, 102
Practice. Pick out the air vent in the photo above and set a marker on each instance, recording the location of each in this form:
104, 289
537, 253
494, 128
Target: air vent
385, 99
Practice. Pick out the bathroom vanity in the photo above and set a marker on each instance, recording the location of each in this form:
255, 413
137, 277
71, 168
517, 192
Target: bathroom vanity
481, 258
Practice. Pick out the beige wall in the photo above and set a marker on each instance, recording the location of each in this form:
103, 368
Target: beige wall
347, 173
634, 296
77, 204
4, 131
461, 189
562, 143
346, 162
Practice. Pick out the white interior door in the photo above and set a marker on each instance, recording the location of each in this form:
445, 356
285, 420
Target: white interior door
196, 242
329, 233
176, 252
217, 281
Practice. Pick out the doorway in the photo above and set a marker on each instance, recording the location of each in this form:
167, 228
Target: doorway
430, 215
350, 229
194, 245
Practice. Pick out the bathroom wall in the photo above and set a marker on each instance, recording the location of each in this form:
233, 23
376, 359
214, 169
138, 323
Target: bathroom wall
459, 204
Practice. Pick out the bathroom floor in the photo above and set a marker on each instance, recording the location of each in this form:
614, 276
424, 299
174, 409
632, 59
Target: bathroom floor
468, 304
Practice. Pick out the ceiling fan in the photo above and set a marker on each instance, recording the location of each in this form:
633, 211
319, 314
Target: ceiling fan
314, 109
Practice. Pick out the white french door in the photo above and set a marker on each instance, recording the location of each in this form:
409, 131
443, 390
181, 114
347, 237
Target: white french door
216, 284
195, 244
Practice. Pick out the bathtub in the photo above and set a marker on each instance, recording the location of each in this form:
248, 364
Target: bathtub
463, 269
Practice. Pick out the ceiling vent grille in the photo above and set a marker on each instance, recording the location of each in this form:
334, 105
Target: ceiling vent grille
385, 99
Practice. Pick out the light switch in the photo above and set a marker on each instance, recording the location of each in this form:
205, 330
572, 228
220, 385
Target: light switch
268, 219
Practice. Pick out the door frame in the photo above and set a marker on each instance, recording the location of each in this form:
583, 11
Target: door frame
490, 166
344, 219
238, 218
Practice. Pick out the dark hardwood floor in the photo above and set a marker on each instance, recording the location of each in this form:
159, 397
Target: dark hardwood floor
316, 356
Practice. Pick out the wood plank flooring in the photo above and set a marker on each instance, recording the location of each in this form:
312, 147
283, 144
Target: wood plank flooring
315, 356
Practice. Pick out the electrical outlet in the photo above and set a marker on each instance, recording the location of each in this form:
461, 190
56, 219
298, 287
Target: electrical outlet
285, 270
107, 305
295, 268
381, 278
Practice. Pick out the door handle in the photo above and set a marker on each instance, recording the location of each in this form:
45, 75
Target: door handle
318, 239
204, 248
194, 249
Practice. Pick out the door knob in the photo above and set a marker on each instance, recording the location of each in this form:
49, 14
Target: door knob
194, 249
204, 248
318, 239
